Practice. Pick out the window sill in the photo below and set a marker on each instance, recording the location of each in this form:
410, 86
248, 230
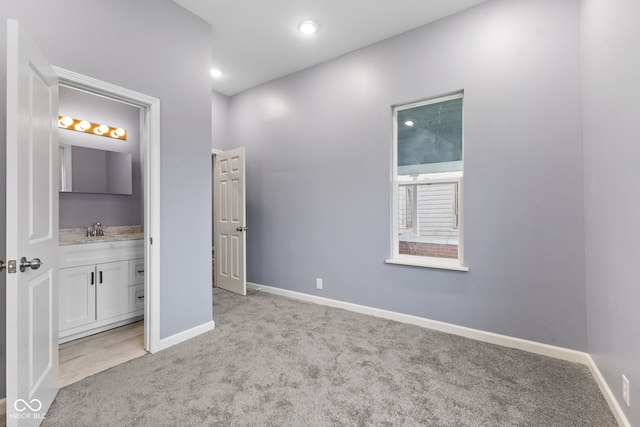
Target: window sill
443, 264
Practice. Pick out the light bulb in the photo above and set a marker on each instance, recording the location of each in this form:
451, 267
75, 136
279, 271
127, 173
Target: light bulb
83, 126
216, 72
117, 133
65, 122
101, 130
308, 27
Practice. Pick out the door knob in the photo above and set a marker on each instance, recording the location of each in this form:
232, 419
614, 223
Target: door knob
34, 264
242, 228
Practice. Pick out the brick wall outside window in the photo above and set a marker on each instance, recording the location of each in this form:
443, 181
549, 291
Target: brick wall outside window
428, 249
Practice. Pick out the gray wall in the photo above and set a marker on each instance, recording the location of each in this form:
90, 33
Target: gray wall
82, 210
157, 48
319, 165
220, 121
611, 66
220, 134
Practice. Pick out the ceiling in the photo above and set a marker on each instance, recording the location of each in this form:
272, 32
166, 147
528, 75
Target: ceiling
256, 41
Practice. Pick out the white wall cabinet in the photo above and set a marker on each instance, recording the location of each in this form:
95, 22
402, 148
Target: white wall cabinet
102, 295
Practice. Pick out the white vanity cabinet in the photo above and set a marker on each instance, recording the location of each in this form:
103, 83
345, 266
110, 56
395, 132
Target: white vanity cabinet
101, 286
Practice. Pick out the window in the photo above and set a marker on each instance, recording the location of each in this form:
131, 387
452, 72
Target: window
427, 183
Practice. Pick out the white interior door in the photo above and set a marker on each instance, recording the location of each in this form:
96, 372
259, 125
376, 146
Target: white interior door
32, 230
230, 221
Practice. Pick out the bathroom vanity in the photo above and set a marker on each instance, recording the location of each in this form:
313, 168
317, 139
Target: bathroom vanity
101, 280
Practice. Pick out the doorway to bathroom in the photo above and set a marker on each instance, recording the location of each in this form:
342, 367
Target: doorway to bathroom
134, 215
101, 211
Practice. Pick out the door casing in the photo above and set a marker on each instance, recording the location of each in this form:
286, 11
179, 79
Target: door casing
150, 140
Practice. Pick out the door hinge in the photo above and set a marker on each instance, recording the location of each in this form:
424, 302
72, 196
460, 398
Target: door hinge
11, 266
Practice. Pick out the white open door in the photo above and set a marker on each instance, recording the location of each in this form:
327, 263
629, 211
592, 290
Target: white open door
32, 231
229, 221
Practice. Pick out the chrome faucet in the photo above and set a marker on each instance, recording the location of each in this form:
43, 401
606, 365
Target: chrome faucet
95, 230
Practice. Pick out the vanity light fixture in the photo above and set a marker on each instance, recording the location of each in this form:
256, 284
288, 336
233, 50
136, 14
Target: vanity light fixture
66, 122
308, 27
409, 123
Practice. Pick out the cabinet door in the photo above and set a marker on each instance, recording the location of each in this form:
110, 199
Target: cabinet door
112, 289
77, 296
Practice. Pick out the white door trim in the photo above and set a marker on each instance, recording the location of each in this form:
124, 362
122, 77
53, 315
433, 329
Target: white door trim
150, 138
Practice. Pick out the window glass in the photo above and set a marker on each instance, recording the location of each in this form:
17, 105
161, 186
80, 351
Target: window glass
428, 179
430, 138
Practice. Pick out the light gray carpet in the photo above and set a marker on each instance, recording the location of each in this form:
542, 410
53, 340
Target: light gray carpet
273, 361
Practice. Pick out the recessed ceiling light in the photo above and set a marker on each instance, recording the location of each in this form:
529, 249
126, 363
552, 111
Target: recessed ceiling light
308, 27
216, 72
409, 123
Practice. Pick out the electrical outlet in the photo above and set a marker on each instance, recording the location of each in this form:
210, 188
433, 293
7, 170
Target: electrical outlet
318, 283
625, 390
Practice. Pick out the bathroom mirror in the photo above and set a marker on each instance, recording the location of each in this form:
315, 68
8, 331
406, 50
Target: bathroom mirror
87, 170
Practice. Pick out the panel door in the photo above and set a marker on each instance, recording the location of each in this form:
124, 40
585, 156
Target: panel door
32, 230
230, 221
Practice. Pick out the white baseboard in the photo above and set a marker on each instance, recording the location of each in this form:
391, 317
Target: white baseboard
608, 394
183, 336
476, 334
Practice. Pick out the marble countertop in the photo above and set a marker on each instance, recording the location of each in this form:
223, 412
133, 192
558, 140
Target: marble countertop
78, 236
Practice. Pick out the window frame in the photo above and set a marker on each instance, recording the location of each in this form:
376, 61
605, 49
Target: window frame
415, 260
